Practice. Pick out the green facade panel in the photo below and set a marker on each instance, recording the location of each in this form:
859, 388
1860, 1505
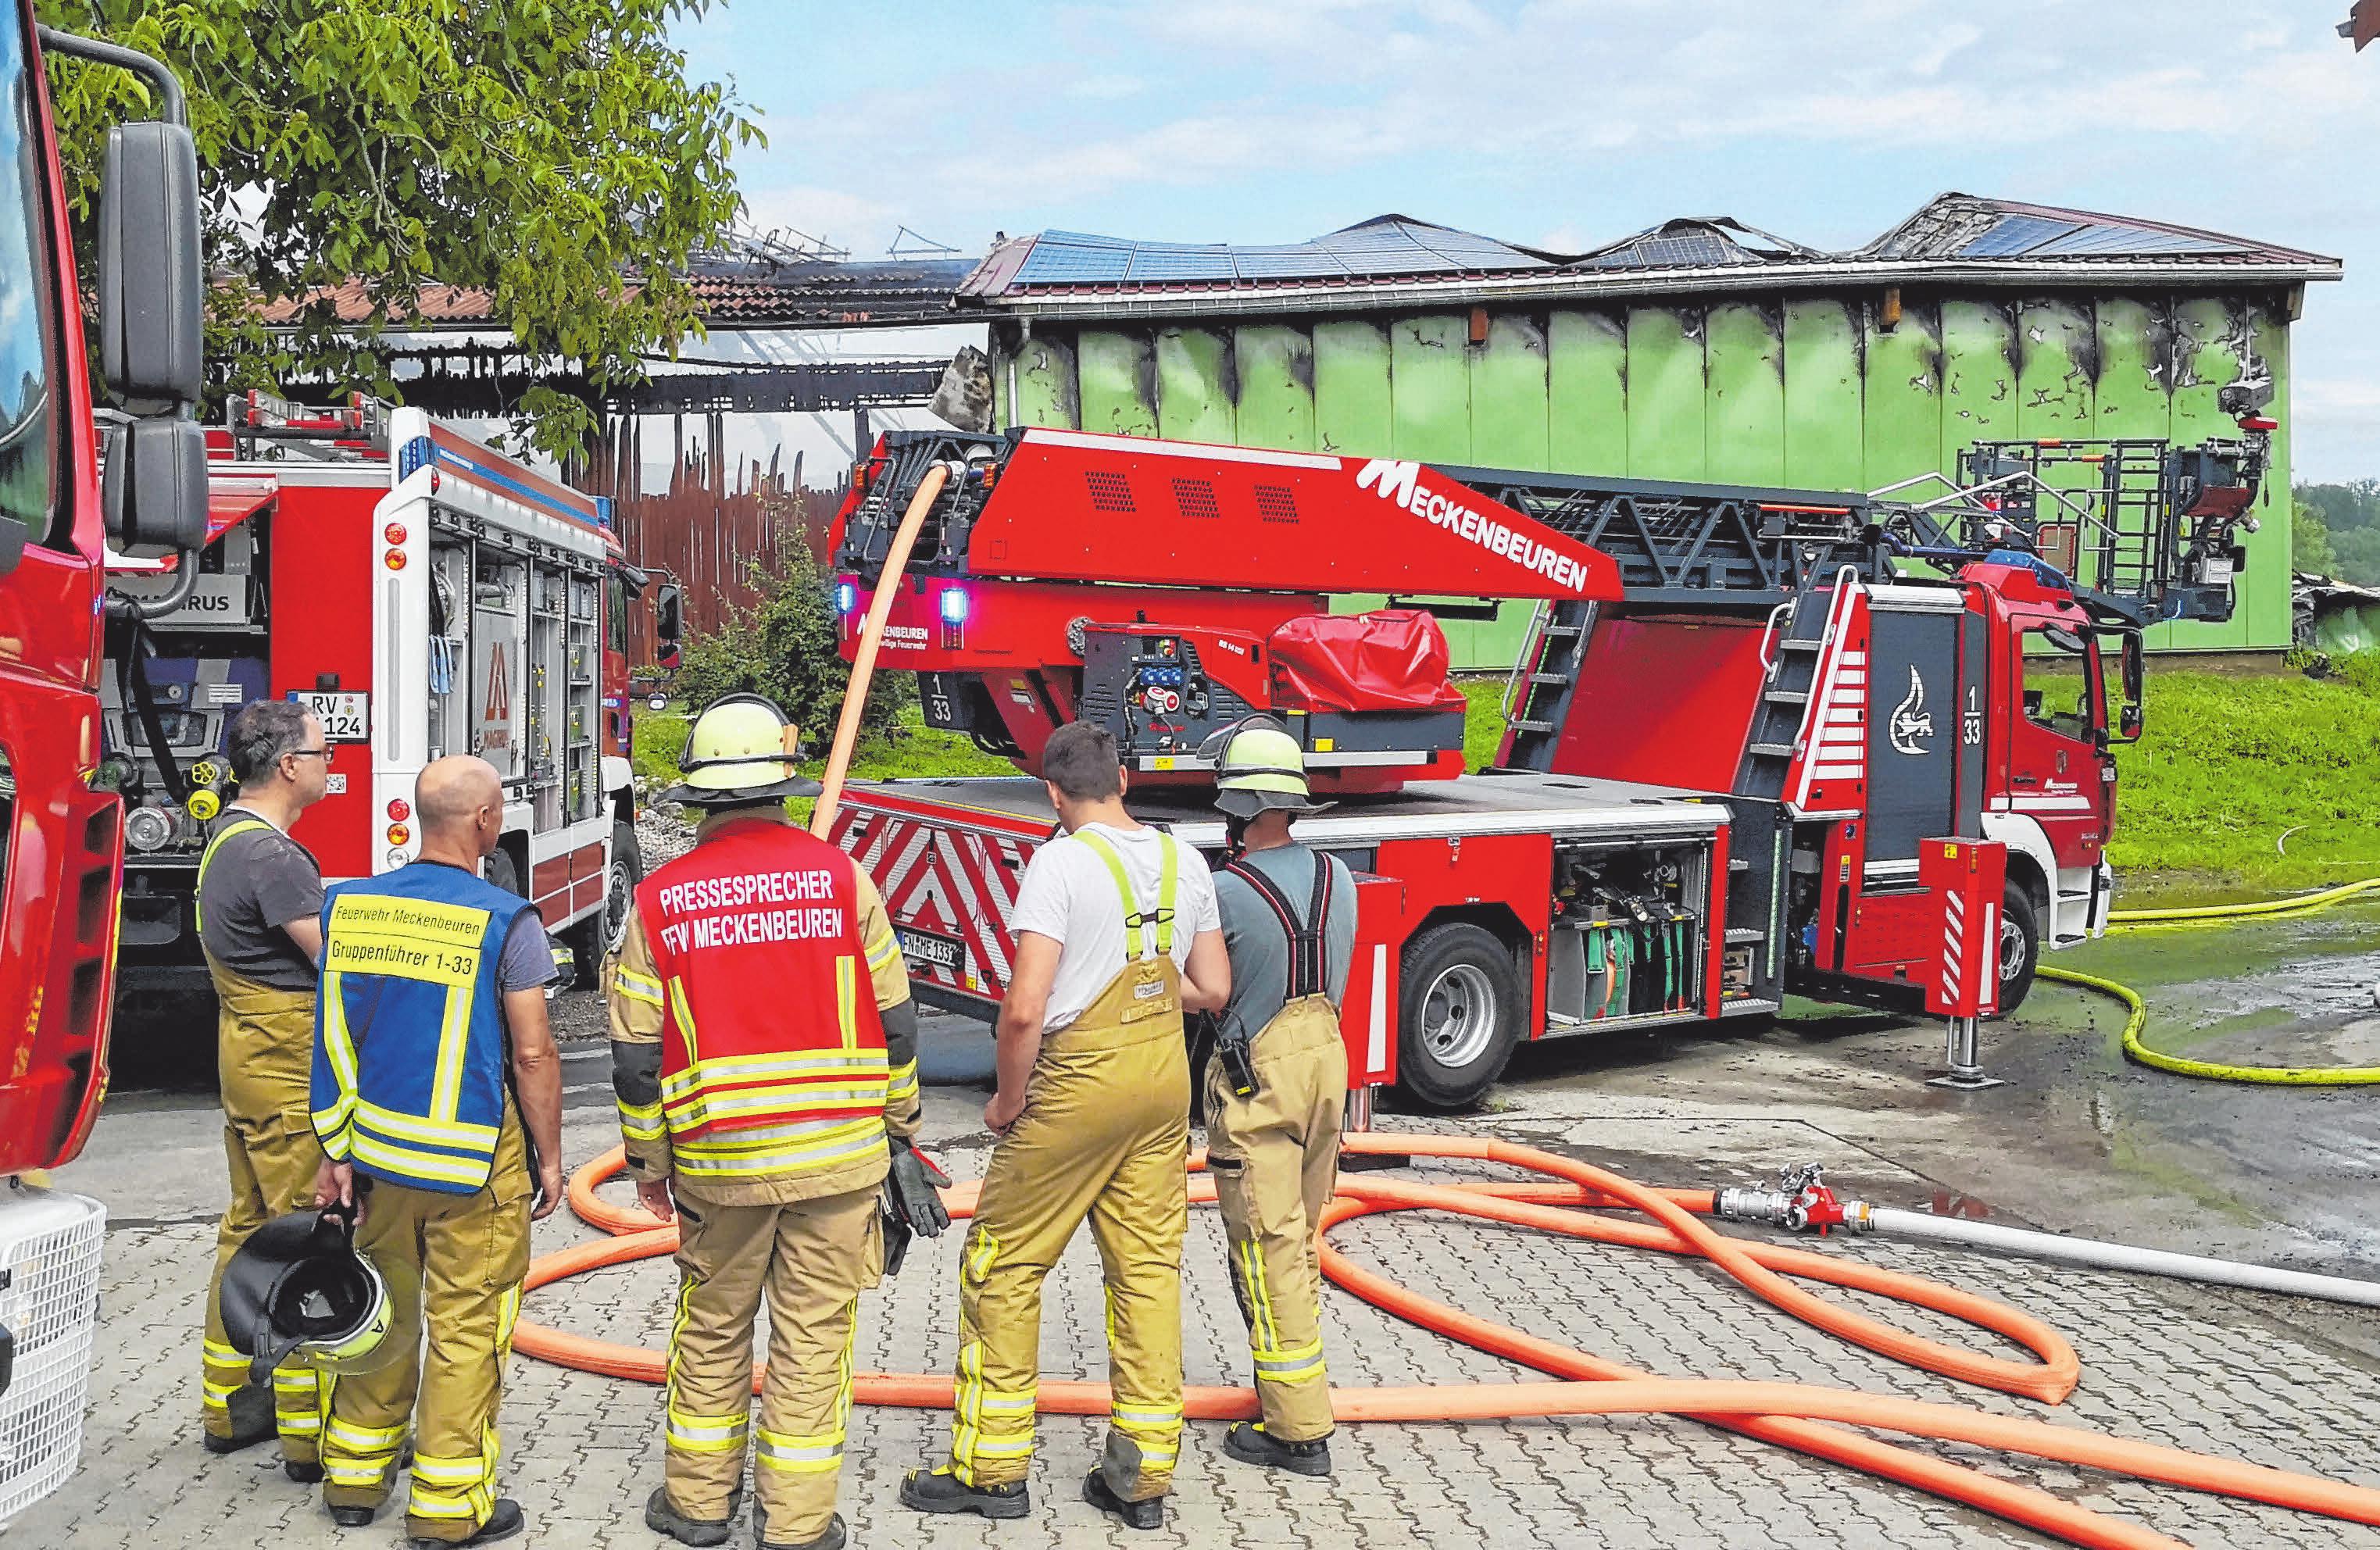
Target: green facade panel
1275, 363
1744, 431
1197, 386
1586, 376
1810, 390
1825, 397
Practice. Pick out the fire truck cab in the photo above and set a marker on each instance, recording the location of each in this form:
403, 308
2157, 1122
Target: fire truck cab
422, 595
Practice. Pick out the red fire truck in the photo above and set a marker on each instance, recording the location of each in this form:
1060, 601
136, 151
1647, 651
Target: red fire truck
61, 839
1739, 712
422, 595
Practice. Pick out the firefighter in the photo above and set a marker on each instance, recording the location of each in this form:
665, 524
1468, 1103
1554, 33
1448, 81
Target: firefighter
259, 894
765, 1058
438, 1097
1277, 1083
1116, 933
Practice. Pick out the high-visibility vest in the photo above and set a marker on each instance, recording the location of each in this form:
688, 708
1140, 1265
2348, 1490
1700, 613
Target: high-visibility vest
409, 1049
207, 859
772, 1053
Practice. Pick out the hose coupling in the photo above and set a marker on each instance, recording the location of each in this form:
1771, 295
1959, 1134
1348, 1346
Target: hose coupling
1802, 1202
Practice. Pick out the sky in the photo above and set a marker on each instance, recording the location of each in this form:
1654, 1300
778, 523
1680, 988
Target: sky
1569, 123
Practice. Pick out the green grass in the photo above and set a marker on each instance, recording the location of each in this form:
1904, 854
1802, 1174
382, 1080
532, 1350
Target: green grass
2249, 784
913, 750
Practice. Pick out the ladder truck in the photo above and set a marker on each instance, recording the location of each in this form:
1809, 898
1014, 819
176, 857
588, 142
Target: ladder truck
73, 479
1739, 712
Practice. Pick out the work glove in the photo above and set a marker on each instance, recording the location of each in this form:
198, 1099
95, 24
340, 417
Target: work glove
910, 1193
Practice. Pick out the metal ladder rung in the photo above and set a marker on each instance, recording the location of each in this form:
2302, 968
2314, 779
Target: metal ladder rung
1789, 697
1522, 725
1550, 678
1772, 750
1739, 935
1794, 643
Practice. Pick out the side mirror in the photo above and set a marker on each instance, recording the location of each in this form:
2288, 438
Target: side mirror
2129, 722
669, 659
668, 618
151, 292
153, 494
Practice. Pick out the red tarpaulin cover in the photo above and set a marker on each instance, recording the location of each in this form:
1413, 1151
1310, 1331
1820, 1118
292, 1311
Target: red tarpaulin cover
1394, 659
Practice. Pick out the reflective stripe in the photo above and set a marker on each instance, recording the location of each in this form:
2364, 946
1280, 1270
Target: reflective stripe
695, 1158
847, 1001
1006, 1411
642, 1121
1260, 1325
197, 890
1146, 1415
745, 1068
684, 1017
979, 1258
903, 1085
453, 1043
405, 1161
295, 1381
219, 1394
450, 1471
884, 950
642, 987
436, 1132
1293, 1365
706, 1434
1168, 873
705, 1109
814, 1454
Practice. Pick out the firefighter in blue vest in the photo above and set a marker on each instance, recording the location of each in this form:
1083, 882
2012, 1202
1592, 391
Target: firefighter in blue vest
765, 1060
437, 1097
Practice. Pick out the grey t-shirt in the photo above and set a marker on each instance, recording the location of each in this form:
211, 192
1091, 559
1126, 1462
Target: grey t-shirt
257, 882
527, 961
1259, 949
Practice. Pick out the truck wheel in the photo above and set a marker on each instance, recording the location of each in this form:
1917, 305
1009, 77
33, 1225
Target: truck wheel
2020, 947
602, 932
1458, 1015
502, 871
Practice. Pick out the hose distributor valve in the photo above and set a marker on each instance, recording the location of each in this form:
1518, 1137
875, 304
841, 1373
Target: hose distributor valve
1802, 1202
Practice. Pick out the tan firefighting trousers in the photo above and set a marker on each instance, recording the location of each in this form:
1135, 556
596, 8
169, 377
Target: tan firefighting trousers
264, 1043
1275, 1160
453, 1265
1105, 1133
809, 1260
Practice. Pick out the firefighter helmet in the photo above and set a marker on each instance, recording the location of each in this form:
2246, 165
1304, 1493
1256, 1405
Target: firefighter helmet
740, 750
297, 1291
1258, 766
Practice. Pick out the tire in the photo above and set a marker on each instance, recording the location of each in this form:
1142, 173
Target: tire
1458, 1015
2018, 949
504, 872
600, 933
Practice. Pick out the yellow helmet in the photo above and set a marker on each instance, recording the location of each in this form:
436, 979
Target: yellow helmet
740, 749
1258, 766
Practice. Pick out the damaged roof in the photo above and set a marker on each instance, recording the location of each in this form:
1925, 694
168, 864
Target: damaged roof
1394, 260
1386, 247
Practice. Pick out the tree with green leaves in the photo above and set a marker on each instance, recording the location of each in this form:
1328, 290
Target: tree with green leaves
2310, 550
552, 153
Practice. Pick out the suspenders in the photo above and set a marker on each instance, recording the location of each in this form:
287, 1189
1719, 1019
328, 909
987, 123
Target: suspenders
1309, 972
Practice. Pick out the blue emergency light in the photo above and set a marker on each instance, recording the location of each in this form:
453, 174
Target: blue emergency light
954, 607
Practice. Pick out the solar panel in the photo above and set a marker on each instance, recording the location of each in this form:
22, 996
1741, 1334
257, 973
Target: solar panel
2134, 239
2014, 236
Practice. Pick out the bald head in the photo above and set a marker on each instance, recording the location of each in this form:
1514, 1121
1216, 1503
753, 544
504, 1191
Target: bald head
458, 798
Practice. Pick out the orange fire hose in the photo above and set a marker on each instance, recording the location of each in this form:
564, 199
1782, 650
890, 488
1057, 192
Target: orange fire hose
1789, 1414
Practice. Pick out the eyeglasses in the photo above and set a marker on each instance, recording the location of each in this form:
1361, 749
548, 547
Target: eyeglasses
307, 753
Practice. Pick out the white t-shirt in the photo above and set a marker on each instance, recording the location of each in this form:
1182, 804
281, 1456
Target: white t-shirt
1069, 895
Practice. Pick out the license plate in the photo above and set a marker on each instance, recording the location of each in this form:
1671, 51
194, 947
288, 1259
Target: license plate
345, 718
929, 950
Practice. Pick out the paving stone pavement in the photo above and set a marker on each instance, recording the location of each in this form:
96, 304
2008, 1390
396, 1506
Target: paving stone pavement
2160, 1363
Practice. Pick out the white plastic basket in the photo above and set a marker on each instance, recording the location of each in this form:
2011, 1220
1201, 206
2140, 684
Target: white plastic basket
49, 1244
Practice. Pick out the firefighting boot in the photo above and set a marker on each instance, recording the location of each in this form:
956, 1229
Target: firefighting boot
250, 1407
1249, 1443
940, 1491
834, 1538
1150, 1514
663, 1518
354, 1516
504, 1521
